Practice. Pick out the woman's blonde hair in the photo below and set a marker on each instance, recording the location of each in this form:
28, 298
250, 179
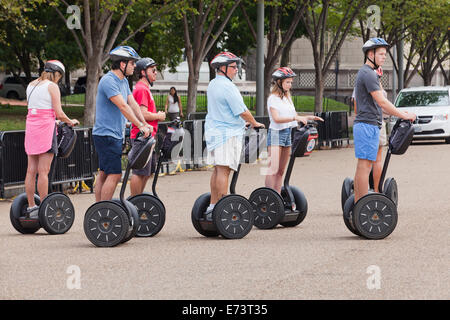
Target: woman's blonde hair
279, 92
50, 76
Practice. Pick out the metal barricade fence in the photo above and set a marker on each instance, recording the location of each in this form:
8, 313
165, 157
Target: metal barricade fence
334, 129
80, 165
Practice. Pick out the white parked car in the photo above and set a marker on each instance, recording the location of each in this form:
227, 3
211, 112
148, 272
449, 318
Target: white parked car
432, 107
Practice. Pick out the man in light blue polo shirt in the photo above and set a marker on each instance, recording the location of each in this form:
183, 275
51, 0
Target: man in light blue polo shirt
224, 125
114, 104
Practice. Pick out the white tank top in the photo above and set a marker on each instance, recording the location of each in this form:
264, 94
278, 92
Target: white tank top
38, 96
173, 106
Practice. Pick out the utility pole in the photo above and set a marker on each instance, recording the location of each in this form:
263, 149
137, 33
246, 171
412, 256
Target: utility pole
260, 59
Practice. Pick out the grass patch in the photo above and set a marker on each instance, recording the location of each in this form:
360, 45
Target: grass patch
13, 117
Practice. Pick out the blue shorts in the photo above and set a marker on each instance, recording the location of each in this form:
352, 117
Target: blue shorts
109, 152
366, 138
280, 138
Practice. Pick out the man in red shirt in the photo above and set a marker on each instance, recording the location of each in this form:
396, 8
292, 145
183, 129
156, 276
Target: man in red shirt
146, 70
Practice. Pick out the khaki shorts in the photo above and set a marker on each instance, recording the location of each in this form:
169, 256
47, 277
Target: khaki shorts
228, 154
383, 135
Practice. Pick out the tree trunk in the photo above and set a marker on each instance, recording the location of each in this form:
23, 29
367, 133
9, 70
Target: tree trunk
92, 73
192, 90
318, 95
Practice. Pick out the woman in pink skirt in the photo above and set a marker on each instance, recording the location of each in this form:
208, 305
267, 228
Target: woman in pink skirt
44, 106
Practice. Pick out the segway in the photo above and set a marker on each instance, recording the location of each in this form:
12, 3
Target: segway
111, 222
290, 207
375, 215
56, 213
232, 216
151, 210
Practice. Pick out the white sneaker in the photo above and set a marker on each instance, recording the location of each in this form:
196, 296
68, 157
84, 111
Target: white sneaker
33, 212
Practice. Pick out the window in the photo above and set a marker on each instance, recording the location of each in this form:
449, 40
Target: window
422, 99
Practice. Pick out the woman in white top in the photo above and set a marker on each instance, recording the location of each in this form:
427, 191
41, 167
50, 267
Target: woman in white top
174, 103
283, 117
44, 106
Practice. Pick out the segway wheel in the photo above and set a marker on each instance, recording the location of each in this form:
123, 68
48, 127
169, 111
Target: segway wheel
133, 220
56, 213
197, 214
301, 204
390, 189
347, 190
233, 216
151, 212
106, 224
375, 216
268, 207
347, 214
18, 215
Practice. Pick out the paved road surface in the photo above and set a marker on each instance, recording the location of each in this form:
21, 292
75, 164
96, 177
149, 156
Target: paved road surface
320, 259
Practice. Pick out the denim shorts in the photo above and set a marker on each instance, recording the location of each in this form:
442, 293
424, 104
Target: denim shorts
280, 138
109, 151
366, 138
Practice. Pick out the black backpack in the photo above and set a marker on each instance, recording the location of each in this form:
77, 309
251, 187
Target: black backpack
401, 136
67, 138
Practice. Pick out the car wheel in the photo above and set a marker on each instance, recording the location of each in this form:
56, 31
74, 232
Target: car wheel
12, 95
447, 140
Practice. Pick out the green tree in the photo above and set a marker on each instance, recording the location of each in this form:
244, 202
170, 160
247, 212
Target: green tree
97, 33
200, 19
328, 22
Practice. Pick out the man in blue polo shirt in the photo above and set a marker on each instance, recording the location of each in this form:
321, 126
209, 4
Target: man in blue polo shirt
224, 125
114, 104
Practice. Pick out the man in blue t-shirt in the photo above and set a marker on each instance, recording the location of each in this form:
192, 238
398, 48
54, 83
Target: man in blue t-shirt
370, 101
224, 125
114, 104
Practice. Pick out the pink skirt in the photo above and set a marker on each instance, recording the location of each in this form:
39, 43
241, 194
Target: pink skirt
39, 131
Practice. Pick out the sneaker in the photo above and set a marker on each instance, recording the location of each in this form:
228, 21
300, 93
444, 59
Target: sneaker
33, 212
208, 214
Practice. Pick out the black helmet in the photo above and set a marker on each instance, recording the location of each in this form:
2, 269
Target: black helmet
143, 64
283, 73
53, 66
123, 53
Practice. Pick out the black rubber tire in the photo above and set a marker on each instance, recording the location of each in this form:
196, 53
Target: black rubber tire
18, 209
56, 213
268, 207
347, 190
375, 216
301, 204
151, 212
233, 216
99, 232
198, 210
347, 214
133, 219
391, 190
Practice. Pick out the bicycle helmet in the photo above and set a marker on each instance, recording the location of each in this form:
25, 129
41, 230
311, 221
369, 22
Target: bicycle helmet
283, 73
53, 66
143, 64
122, 53
373, 44
224, 59
280, 74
